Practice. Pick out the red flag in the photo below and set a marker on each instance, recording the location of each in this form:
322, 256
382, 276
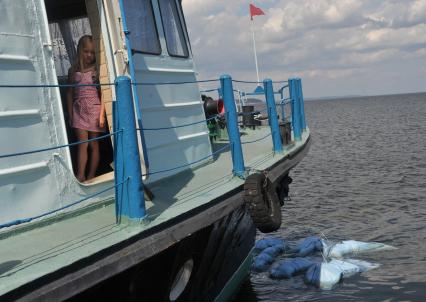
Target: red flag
255, 11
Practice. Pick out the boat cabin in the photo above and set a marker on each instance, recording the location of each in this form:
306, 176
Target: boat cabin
146, 40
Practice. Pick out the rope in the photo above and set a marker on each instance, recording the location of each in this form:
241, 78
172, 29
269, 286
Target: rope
249, 113
209, 90
136, 84
24, 220
255, 141
56, 85
254, 82
246, 82
175, 83
61, 146
284, 102
186, 165
180, 126
100, 84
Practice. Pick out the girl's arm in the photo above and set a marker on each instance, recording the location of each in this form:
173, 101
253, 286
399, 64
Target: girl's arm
70, 96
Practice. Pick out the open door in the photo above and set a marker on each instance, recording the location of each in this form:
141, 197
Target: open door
113, 17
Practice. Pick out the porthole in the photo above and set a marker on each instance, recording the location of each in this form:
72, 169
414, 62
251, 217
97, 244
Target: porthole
181, 280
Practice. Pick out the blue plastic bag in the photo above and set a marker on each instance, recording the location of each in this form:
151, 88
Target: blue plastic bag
269, 242
309, 246
289, 267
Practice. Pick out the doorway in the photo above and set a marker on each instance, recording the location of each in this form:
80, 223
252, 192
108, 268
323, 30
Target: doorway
68, 21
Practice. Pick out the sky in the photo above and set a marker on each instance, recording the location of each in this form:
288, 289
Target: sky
337, 47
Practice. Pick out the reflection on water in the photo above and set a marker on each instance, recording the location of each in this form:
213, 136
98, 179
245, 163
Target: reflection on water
363, 179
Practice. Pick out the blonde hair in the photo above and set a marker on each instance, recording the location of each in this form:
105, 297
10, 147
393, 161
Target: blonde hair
77, 65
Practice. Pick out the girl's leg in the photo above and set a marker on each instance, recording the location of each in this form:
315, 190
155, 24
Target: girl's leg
82, 135
94, 155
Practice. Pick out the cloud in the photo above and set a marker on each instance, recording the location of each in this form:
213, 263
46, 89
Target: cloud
338, 40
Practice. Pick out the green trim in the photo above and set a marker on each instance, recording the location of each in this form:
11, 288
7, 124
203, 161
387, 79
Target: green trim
233, 284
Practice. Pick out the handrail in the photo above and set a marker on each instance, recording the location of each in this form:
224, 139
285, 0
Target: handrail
60, 146
194, 162
124, 108
180, 126
209, 90
176, 83
256, 140
255, 82
104, 84
54, 85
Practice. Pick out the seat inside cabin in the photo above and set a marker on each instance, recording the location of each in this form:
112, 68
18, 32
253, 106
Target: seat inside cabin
68, 21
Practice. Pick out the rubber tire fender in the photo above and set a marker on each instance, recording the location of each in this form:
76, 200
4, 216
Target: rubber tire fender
262, 200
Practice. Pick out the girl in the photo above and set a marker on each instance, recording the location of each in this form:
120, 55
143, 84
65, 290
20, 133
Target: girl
86, 111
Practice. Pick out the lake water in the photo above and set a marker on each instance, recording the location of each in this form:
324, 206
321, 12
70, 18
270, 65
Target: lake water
363, 179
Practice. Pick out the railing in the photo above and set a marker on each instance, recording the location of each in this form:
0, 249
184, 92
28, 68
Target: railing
128, 185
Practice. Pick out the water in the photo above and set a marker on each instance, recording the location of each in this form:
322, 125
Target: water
363, 179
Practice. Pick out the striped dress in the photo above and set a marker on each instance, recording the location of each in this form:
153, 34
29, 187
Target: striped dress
86, 105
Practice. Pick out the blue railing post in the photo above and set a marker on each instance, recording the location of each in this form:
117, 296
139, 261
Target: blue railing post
272, 114
130, 202
295, 109
232, 125
302, 104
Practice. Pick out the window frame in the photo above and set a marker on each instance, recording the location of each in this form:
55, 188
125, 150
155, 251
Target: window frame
160, 50
182, 16
181, 27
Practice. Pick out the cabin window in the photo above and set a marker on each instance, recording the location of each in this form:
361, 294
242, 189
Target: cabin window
141, 23
173, 31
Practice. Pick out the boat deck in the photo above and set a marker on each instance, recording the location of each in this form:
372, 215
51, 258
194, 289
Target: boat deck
31, 254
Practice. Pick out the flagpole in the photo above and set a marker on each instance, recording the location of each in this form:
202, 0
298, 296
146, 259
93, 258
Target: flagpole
255, 54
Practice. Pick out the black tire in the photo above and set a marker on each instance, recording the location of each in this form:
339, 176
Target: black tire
264, 206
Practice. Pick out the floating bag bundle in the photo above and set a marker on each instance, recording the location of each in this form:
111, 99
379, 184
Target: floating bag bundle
352, 247
323, 273
327, 274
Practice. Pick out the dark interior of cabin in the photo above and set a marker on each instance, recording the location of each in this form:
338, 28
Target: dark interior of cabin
68, 21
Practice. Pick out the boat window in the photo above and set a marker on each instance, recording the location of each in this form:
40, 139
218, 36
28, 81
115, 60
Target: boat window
141, 24
175, 38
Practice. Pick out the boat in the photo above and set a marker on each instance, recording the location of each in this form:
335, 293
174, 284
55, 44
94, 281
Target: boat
182, 186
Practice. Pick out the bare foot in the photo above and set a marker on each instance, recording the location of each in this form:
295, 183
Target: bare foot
89, 177
81, 178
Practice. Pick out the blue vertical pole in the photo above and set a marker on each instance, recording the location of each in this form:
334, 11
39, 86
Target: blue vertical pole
130, 200
232, 125
272, 114
302, 104
295, 109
